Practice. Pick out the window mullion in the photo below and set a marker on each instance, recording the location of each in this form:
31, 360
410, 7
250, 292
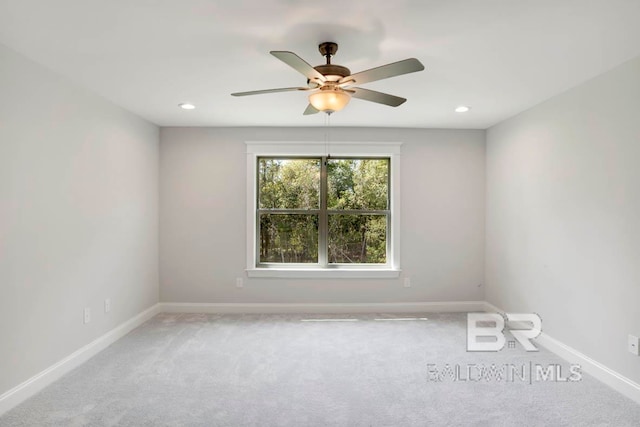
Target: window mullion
323, 226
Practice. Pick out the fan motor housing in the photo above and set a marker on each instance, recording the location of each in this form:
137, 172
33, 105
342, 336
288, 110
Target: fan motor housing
333, 70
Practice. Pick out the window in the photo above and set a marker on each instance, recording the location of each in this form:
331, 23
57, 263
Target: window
324, 211
318, 215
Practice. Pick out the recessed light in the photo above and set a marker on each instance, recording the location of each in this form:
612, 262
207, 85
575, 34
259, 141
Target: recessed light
187, 106
462, 109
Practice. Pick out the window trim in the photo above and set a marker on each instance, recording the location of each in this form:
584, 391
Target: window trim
257, 149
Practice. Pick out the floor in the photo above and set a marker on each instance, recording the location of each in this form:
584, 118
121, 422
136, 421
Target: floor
319, 370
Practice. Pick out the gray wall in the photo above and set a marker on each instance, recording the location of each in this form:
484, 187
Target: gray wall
78, 217
202, 217
563, 216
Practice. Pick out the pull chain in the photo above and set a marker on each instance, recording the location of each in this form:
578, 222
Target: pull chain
327, 135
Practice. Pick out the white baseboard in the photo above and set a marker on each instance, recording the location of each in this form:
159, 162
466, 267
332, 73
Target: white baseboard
36, 383
328, 308
613, 379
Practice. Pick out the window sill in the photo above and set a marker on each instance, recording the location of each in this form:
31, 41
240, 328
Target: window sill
324, 273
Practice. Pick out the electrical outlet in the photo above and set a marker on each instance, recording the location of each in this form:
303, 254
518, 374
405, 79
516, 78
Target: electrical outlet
239, 282
87, 315
407, 282
633, 345
107, 305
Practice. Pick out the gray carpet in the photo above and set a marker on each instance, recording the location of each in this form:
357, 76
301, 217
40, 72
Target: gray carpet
276, 370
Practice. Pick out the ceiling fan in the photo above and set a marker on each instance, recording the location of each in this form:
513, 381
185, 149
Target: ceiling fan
332, 85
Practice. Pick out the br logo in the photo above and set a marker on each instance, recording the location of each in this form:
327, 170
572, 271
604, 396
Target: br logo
485, 331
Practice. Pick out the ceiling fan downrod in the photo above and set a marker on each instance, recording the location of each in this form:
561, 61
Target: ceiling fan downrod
328, 49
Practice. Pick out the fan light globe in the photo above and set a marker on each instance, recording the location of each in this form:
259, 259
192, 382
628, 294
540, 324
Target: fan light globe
329, 100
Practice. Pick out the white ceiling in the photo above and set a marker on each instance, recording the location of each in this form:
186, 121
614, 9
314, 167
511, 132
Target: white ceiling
498, 56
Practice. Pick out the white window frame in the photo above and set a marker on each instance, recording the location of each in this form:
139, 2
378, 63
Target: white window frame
391, 150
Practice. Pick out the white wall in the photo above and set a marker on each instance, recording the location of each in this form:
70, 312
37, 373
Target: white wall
78, 217
202, 218
563, 216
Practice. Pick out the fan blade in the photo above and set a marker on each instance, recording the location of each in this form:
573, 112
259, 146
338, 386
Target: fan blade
379, 97
310, 110
399, 68
259, 92
298, 64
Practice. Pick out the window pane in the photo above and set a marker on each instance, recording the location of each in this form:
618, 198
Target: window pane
289, 183
358, 183
288, 238
358, 239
